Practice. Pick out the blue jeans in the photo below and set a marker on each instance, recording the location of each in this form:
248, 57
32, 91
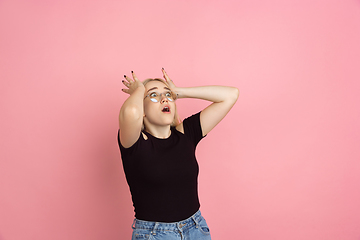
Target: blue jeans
193, 228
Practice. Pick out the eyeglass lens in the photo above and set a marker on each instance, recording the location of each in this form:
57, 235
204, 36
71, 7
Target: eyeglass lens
155, 96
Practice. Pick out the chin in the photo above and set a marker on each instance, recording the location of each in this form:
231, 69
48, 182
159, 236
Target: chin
169, 122
162, 120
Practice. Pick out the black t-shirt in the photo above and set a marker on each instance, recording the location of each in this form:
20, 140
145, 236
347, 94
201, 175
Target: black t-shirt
162, 173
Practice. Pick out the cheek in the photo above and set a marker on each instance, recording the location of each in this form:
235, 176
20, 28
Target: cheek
146, 108
173, 107
149, 107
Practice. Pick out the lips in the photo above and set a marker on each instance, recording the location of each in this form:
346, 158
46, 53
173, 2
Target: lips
166, 109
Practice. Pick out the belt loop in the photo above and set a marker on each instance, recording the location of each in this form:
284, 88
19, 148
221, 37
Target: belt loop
196, 223
133, 225
153, 231
180, 230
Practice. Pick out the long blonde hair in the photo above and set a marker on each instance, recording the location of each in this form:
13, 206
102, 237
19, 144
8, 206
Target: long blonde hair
176, 120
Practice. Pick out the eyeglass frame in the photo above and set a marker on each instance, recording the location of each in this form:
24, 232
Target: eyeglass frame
163, 93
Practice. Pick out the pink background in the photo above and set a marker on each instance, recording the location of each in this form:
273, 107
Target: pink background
284, 164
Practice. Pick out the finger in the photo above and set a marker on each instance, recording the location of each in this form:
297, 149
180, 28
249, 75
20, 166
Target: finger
165, 75
125, 90
134, 76
125, 83
128, 78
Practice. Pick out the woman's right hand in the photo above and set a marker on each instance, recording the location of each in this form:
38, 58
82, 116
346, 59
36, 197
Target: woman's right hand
132, 111
131, 84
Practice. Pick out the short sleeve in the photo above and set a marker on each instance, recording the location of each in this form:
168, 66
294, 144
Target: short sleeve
128, 151
192, 128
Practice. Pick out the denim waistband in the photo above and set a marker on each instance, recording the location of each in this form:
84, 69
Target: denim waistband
161, 226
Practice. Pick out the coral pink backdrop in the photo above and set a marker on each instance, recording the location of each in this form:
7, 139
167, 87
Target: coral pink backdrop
284, 164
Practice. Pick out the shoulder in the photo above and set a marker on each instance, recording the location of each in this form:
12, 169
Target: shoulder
191, 128
141, 137
189, 121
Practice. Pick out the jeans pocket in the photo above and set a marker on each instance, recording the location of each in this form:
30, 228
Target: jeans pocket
203, 227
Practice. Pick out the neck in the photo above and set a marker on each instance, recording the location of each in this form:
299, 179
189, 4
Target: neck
159, 131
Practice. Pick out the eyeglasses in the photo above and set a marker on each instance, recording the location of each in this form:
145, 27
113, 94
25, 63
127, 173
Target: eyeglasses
156, 96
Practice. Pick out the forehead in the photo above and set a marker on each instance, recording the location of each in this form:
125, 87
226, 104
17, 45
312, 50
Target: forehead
152, 84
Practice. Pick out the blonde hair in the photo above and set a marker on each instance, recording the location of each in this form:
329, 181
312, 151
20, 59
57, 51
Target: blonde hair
176, 120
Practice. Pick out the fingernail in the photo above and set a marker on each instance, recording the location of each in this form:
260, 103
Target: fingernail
125, 76
132, 72
163, 69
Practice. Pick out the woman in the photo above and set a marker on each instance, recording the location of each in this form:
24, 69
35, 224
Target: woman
158, 154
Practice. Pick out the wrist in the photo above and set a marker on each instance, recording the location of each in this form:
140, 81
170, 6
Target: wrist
179, 92
140, 86
139, 90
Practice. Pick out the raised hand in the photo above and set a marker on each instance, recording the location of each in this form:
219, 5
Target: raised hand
169, 81
131, 83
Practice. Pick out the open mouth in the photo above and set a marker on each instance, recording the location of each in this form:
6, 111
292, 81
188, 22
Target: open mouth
166, 109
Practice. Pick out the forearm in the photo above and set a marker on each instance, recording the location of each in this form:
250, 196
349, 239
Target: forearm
134, 104
214, 94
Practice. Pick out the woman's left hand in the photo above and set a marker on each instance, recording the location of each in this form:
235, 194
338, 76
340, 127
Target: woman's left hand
171, 84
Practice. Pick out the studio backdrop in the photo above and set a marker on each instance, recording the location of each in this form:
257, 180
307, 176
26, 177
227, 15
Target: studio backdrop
284, 163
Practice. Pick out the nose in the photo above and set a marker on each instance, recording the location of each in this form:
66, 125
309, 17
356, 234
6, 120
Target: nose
163, 98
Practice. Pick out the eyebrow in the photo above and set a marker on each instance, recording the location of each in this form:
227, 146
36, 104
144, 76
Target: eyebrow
157, 88
152, 88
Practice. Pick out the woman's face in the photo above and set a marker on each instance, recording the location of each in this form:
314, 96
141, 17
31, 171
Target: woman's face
162, 112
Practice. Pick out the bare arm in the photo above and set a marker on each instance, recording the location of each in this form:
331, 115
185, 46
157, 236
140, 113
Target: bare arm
223, 99
131, 112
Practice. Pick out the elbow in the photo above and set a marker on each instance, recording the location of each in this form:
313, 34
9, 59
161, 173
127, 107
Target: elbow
234, 95
131, 113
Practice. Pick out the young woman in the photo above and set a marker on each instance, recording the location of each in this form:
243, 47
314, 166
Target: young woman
158, 155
